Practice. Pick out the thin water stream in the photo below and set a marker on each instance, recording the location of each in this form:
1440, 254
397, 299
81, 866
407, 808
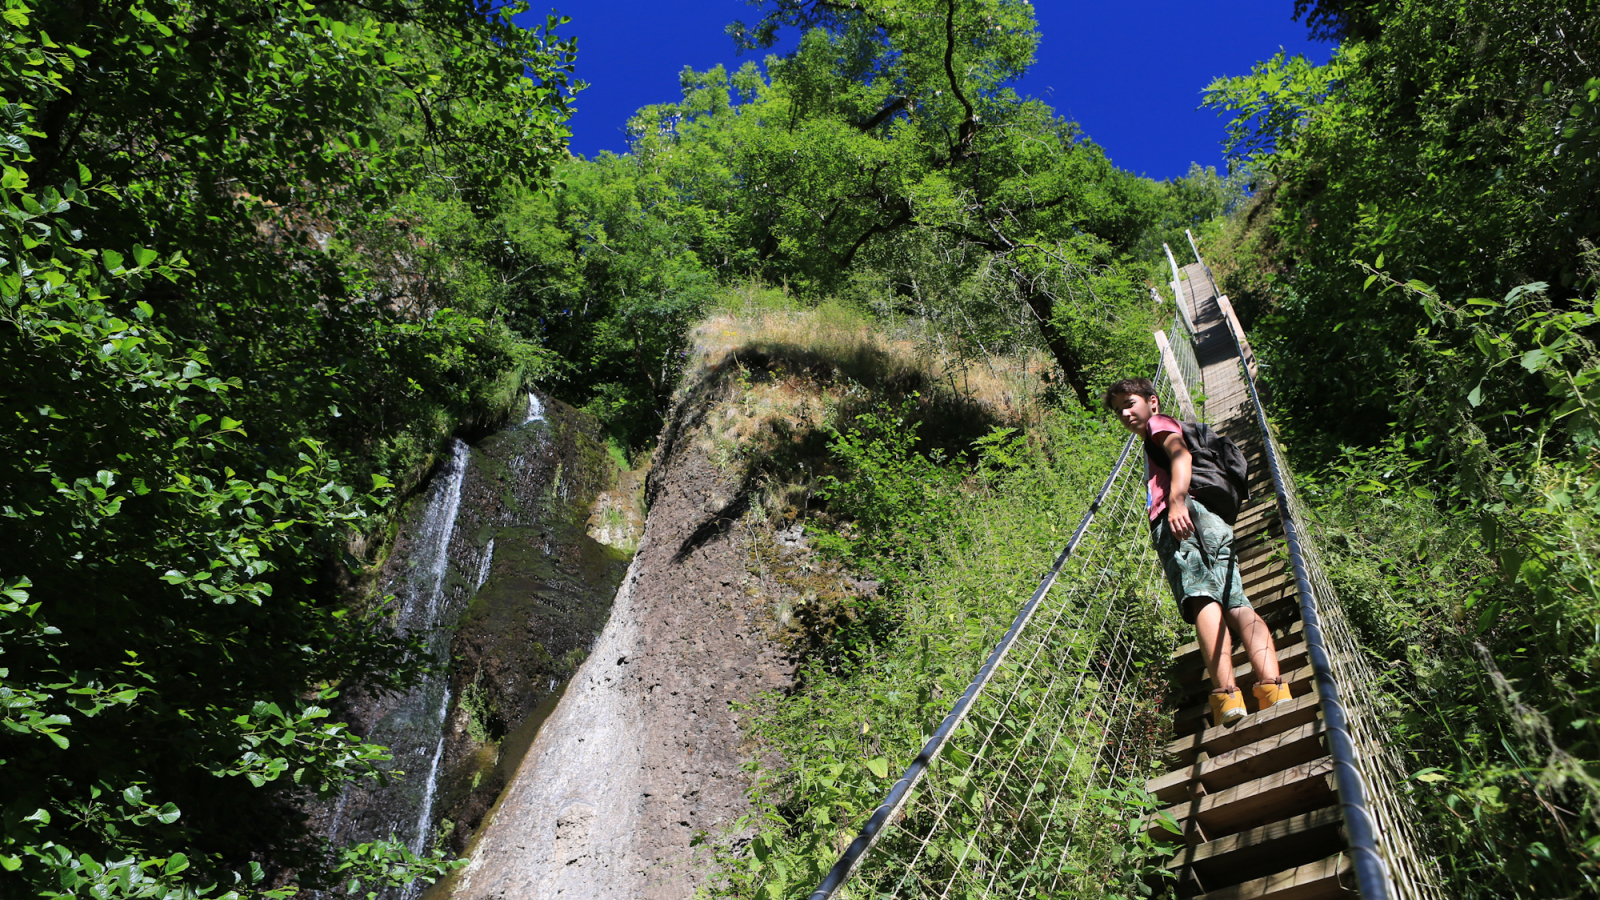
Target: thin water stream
493, 566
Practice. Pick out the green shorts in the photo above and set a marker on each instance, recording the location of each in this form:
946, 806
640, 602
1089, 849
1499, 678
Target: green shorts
1200, 568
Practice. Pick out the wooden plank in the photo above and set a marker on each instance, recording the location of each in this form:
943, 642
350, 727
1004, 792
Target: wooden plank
1180, 389
1247, 354
1257, 518
1261, 790
1244, 529
1302, 743
1324, 879
1266, 570
1222, 738
1284, 634
1266, 601
1193, 675
1284, 580
1188, 309
1185, 307
1274, 796
1266, 849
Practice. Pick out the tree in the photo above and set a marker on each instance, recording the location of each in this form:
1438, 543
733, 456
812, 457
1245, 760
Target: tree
896, 115
174, 175
1431, 199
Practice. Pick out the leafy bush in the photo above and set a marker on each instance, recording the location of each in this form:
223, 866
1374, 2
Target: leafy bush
959, 545
198, 374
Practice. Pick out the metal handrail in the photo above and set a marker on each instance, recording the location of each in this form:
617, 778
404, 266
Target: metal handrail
1373, 879
852, 856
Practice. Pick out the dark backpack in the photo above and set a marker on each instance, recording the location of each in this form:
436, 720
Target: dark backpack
1220, 478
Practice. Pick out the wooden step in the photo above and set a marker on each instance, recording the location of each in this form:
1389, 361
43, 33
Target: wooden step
1280, 613
1257, 576
1302, 743
1262, 851
1281, 620
1257, 543
1259, 508
1325, 879
1198, 715
1274, 796
1263, 601
1255, 532
1222, 738
1279, 607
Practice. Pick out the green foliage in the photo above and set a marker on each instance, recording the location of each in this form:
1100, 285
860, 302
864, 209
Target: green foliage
1429, 300
960, 545
171, 627
382, 863
893, 498
889, 149
1200, 202
1460, 146
1482, 697
895, 116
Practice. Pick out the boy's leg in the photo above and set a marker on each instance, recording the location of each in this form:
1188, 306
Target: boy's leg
1257, 640
1216, 645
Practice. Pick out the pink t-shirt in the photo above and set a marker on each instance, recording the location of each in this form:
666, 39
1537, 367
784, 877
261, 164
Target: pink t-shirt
1159, 479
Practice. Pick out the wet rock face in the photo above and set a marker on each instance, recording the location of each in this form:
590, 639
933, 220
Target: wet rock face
523, 593
642, 756
544, 596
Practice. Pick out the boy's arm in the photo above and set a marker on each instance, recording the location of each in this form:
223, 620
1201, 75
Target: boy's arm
1178, 492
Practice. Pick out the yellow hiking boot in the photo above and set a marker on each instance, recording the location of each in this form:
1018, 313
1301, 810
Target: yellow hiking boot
1270, 694
1227, 707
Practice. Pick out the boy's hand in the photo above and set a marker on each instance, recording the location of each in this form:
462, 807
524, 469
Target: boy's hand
1178, 519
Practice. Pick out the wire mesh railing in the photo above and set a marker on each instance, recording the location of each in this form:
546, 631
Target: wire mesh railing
1379, 815
1189, 372
1413, 872
1033, 784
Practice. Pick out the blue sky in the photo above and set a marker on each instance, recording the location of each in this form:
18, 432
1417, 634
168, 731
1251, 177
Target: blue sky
1130, 73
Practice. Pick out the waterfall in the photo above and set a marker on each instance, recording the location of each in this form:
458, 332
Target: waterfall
485, 565
412, 726
493, 570
433, 538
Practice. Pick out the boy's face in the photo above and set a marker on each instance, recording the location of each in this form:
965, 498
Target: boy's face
1134, 412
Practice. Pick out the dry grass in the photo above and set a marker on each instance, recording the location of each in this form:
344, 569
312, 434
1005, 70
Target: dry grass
769, 378
832, 344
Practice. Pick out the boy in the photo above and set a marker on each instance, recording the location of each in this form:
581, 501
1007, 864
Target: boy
1196, 550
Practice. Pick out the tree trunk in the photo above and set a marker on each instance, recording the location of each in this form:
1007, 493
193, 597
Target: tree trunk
1043, 307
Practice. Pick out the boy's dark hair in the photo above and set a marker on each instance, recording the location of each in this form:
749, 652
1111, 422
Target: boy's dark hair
1141, 387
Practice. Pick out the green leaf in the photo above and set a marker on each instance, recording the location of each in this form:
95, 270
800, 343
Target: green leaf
878, 767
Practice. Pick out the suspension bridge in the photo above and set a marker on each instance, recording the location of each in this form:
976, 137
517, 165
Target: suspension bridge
1081, 753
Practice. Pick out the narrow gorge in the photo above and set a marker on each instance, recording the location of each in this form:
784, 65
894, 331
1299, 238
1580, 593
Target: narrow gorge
498, 567
588, 740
